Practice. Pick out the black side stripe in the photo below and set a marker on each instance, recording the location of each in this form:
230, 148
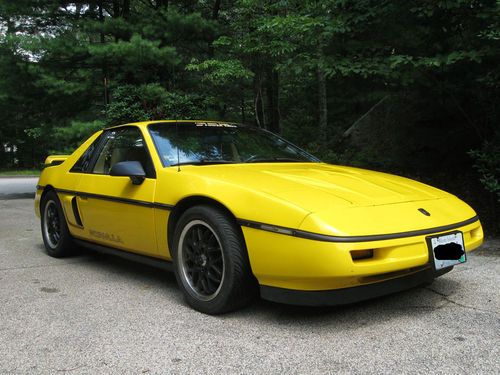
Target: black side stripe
134, 202
349, 239
285, 230
163, 206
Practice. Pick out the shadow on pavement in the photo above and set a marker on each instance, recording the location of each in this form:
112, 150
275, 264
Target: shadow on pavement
418, 301
17, 196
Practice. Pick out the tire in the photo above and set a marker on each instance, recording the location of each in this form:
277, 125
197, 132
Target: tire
56, 237
211, 262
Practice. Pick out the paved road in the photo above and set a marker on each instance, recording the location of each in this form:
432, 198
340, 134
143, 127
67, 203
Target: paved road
17, 187
96, 314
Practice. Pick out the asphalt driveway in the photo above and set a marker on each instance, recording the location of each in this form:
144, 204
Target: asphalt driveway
17, 187
97, 314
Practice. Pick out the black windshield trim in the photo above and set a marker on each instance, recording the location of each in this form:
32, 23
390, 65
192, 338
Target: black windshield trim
203, 162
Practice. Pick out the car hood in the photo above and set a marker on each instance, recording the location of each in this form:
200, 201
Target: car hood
318, 187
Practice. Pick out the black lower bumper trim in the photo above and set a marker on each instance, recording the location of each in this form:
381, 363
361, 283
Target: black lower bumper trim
347, 296
150, 261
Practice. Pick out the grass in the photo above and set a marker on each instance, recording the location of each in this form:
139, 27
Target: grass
19, 172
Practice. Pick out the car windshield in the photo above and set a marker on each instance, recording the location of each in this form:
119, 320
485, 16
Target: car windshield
203, 143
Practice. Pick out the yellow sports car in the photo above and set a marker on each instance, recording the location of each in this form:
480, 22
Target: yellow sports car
237, 211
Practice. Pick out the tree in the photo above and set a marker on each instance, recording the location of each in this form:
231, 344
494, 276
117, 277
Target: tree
306, 69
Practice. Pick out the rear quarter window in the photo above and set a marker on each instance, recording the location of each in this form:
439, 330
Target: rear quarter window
84, 162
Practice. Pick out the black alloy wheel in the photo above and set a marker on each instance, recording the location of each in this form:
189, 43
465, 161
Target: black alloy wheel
56, 237
201, 259
210, 261
52, 228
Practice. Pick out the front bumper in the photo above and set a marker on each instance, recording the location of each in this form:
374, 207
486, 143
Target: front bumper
293, 263
347, 296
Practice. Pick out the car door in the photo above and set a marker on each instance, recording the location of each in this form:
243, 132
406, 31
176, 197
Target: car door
114, 211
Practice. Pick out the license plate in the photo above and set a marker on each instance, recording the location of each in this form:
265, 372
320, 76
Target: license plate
447, 250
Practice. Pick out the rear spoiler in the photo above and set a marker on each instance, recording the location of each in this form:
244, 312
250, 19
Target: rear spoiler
53, 160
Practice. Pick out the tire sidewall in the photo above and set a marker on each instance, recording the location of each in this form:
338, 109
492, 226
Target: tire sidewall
210, 217
64, 245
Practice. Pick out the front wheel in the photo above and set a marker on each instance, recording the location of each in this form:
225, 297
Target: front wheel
55, 233
210, 261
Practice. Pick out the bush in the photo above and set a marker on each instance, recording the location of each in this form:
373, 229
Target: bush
487, 163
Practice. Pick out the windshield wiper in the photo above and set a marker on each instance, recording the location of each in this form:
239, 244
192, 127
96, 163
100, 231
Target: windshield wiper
203, 162
273, 160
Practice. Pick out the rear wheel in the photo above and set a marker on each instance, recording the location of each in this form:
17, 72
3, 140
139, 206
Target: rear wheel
55, 233
210, 261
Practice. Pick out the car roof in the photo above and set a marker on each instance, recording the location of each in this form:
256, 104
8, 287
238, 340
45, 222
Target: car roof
146, 123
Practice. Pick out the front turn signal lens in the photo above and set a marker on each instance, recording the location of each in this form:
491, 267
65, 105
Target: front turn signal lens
361, 254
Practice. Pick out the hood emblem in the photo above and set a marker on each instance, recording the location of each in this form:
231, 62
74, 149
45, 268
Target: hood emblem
425, 212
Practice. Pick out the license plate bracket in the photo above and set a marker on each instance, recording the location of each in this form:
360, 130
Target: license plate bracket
446, 250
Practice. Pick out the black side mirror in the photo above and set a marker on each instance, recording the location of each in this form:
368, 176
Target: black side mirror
132, 169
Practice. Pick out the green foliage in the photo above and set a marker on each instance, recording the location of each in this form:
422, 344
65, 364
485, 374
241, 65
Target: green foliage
220, 72
66, 139
487, 163
308, 69
136, 53
151, 102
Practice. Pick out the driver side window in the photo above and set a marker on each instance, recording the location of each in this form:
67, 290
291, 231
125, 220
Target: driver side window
123, 144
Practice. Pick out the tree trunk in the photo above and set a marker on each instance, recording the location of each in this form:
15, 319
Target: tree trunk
322, 99
322, 103
257, 90
216, 9
126, 9
116, 8
243, 115
215, 17
78, 10
11, 28
104, 63
161, 3
272, 93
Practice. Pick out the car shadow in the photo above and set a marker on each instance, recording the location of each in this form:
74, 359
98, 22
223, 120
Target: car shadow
413, 302
121, 267
17, 196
